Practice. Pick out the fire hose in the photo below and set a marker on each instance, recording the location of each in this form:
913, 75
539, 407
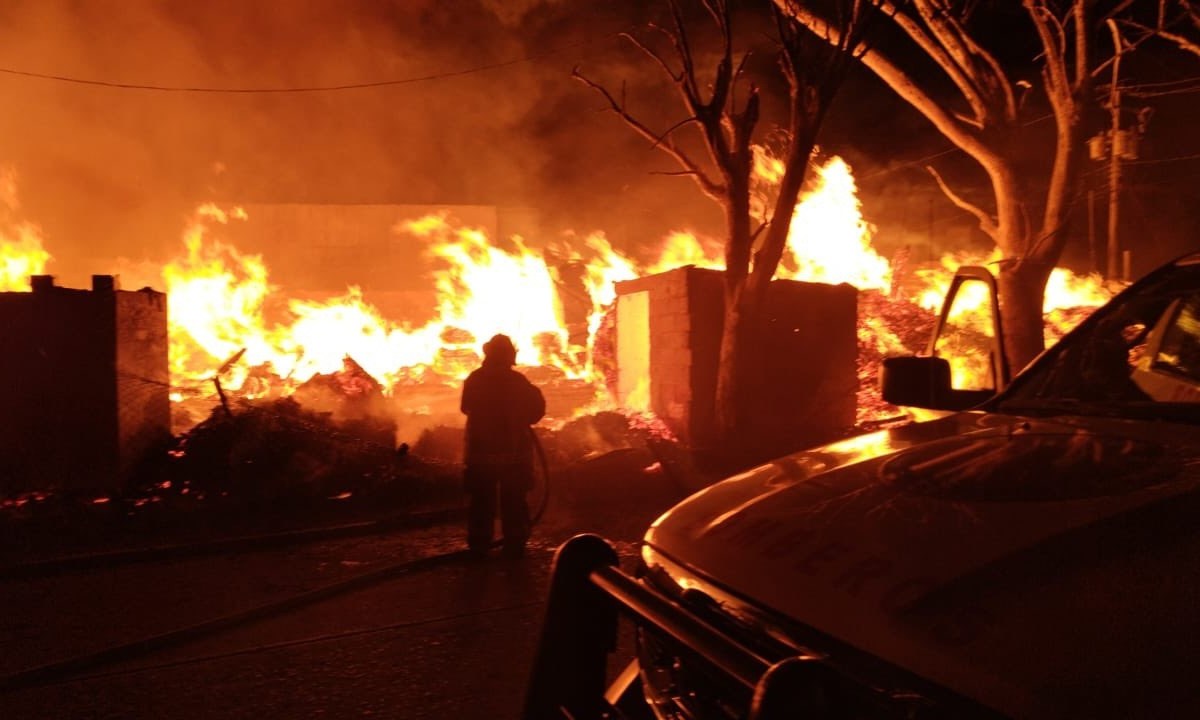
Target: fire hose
309, 640
65, 669
544, 500
73, 563
113, 558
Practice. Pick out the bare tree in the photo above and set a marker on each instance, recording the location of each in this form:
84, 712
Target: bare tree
1028, 216
1177, 22
722, 108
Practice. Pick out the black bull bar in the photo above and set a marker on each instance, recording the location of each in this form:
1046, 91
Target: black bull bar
588, 591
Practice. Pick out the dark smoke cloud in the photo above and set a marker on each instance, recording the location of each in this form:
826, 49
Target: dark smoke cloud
110, 172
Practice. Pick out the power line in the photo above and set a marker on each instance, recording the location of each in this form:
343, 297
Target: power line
1161, 84
909, 163
1180, 90
933, 156
309, 89
1156, 161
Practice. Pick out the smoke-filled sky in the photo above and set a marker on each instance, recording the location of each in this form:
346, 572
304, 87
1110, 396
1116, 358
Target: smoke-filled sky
115, 170
108, 171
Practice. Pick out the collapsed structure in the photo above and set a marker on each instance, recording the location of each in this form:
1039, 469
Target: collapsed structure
84, 385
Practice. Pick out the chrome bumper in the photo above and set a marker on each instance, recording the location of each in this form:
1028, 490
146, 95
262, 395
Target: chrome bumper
588, 592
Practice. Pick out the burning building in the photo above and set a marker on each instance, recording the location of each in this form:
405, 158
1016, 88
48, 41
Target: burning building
85, 384
78, 362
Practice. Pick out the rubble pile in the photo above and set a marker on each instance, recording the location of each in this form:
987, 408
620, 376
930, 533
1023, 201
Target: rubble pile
887, 326
590, 436
278, 449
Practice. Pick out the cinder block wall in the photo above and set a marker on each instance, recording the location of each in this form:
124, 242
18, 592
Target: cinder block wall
85, 380
143, 378
808, 381
810, 377
671, 356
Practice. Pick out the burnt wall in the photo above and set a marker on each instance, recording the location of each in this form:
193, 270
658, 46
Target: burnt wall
806, 379
672, 395
61, 424
706, 300
143, 405
809, 378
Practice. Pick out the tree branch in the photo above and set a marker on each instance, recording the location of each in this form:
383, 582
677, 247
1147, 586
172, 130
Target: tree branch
998, 81
986, 222
958, 132
658, 59
1182, 42
944, 46
662, 141
1053, 38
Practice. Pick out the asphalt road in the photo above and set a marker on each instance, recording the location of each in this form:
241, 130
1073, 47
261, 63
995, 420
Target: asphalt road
450, 641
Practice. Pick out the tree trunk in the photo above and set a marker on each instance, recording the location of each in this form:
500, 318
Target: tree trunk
730, 373
1022, 286
992, 134
731, 370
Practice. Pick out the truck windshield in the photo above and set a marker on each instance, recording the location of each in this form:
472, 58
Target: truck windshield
1139, 356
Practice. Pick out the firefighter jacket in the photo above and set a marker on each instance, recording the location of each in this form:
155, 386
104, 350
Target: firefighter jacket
500, 405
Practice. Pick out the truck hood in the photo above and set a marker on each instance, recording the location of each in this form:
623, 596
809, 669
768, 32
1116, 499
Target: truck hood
1040, 567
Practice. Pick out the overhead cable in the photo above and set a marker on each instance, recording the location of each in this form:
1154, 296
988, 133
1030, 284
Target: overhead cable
290, 90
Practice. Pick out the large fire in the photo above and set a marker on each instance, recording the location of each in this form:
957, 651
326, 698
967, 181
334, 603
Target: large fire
229, 322
21, 251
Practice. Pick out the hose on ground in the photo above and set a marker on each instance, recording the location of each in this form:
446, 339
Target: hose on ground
63, 669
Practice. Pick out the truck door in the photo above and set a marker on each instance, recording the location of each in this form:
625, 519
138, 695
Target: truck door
964, 364
968, 333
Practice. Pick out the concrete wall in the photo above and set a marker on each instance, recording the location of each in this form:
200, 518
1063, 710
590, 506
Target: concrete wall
84, 379
808, 377
669, 338
143, 378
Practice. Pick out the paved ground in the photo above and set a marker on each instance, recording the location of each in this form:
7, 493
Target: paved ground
452, 641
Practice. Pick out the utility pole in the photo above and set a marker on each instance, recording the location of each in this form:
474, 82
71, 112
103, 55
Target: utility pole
1114, 167
1093, 259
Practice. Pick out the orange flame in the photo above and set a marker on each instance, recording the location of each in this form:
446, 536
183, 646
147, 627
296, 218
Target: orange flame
829, 241
485, 290
222, 304
21, 251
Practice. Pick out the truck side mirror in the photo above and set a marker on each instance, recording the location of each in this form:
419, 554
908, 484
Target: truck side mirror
924, 382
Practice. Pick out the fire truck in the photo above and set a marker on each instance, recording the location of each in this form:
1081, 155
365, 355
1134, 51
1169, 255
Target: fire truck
1029, 549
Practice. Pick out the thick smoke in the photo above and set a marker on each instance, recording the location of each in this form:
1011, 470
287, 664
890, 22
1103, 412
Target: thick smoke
111, 172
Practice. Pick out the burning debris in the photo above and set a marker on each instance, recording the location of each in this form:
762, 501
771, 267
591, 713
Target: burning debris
887, 326
354, 401
321, 390
275, 450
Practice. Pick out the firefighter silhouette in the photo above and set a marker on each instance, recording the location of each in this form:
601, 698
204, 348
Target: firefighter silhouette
501, 405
